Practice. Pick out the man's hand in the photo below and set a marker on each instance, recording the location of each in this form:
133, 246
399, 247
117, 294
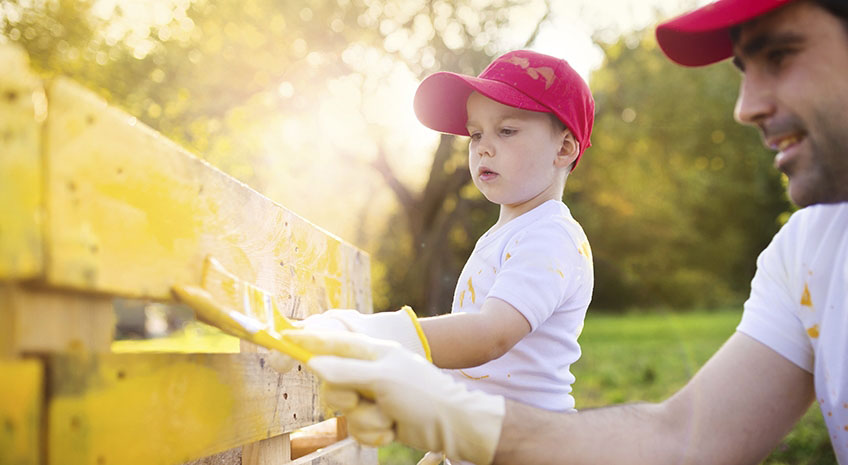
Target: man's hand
387, 392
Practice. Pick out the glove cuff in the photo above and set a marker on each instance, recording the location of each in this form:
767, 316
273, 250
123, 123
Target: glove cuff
419, 332
478, 429
401, 326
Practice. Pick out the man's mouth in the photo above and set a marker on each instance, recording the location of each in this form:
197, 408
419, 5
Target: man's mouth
784, 143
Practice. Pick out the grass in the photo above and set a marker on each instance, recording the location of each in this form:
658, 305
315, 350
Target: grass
629, 358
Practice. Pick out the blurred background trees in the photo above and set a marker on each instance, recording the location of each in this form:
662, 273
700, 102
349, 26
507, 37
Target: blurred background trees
311, 104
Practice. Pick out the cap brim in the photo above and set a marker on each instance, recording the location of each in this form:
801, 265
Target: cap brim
702, 37
440, 100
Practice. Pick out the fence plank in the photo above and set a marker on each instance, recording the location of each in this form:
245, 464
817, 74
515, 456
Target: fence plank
167, 211
22, 111
20, 411
344, 452
169, 408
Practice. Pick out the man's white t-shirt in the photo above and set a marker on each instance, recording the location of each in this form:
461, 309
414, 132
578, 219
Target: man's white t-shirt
541, 264
799, 307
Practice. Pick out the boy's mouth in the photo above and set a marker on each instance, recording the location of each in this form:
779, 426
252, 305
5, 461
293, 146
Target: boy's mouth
485, 174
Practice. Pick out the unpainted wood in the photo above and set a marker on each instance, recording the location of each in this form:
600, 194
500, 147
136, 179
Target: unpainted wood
345, 452
45, 320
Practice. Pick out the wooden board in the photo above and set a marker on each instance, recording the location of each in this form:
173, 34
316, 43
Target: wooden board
344, 452
23, 108
121, 194
21, 398
44, 320
169, 408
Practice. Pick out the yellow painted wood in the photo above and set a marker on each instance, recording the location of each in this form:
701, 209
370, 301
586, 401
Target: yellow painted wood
344, 452
121, 194
45, 320
168, 408
21, 397
23, 108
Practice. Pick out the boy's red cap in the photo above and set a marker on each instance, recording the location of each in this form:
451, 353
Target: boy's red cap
520, 79
702, 37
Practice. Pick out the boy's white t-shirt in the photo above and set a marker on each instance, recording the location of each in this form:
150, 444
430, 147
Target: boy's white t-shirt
799, 307
541, 264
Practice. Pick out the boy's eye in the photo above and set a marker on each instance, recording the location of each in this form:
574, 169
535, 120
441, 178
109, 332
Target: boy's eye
475, 136
508, 131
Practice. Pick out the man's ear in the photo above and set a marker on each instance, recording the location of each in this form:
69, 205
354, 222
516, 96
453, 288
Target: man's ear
568, 151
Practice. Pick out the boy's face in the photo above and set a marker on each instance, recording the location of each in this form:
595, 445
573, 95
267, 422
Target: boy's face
515, 156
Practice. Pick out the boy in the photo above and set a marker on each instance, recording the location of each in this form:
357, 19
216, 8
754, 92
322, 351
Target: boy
522, 296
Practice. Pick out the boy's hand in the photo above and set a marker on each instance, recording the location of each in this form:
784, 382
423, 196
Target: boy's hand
401, 326
388, 392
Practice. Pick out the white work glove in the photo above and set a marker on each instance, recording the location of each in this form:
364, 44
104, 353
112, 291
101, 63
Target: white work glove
432, 458
387, 392
401, 326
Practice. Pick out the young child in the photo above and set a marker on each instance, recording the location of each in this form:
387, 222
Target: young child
522, 296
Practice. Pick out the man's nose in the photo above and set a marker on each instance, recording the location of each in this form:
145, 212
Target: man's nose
755, 102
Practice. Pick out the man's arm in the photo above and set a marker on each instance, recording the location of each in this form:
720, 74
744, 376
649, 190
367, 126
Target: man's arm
734, 411
462, 340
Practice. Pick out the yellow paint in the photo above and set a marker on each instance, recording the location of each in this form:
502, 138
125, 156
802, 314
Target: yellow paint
806, 300
461, 298
20, 411
146, 413
585, 250
813, 331
561, 275
476, 378
508, 256
419, 331
471, 289
22, 111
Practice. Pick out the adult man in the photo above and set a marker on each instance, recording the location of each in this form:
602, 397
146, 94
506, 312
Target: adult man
790, 348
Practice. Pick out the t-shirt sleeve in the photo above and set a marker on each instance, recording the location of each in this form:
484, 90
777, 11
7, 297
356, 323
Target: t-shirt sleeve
769, 315
542, 270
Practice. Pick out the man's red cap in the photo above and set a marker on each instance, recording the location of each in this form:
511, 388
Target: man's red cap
702, 37
519, 79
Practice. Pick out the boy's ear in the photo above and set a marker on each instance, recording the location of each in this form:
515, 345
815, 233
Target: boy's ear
569, 149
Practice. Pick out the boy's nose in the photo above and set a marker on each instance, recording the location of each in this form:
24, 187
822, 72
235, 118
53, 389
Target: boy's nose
484, 148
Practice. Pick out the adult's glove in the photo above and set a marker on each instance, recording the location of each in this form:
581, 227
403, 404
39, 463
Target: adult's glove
387, 393
401, 326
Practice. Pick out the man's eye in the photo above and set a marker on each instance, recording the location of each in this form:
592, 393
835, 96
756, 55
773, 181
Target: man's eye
776, 56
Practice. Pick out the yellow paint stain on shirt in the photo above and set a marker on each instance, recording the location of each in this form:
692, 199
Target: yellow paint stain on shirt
508, 256
813, 331
560, 274
476, 378
585, 250
480, 271
806, 300
461, 298
471, 288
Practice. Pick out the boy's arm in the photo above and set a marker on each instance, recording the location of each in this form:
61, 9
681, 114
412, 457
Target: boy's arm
463, 340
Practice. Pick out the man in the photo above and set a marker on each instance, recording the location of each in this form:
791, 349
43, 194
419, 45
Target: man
790, 348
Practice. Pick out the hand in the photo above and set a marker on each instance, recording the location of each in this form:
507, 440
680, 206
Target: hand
400, 326
388, 392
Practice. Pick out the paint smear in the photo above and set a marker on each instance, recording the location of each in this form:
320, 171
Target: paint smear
806, 300
813, 331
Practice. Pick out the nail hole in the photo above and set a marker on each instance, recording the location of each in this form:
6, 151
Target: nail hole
299, 368
72, 186
75, 423
295, 416
261, 362
9, 425
11, 96
285, 395
120, 171
89, 119
121, 374
101, 460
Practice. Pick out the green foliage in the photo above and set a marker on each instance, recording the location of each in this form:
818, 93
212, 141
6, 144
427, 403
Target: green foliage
677, 198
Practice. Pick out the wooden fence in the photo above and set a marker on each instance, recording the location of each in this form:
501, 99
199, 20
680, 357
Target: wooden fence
94, 206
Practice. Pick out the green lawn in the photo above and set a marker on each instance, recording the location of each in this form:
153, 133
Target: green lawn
647, 357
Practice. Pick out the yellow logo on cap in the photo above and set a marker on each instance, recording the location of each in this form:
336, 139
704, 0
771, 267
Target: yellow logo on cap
543, 71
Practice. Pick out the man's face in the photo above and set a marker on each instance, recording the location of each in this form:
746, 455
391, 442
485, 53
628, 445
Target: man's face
795, 90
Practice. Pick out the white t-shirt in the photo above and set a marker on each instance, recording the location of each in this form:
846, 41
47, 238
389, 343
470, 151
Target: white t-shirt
799, 307
541, 264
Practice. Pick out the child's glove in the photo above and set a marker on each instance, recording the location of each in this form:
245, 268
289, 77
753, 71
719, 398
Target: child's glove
401, 326
386, 391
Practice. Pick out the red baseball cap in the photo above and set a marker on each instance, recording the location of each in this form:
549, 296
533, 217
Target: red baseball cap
702, 37
520, 79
